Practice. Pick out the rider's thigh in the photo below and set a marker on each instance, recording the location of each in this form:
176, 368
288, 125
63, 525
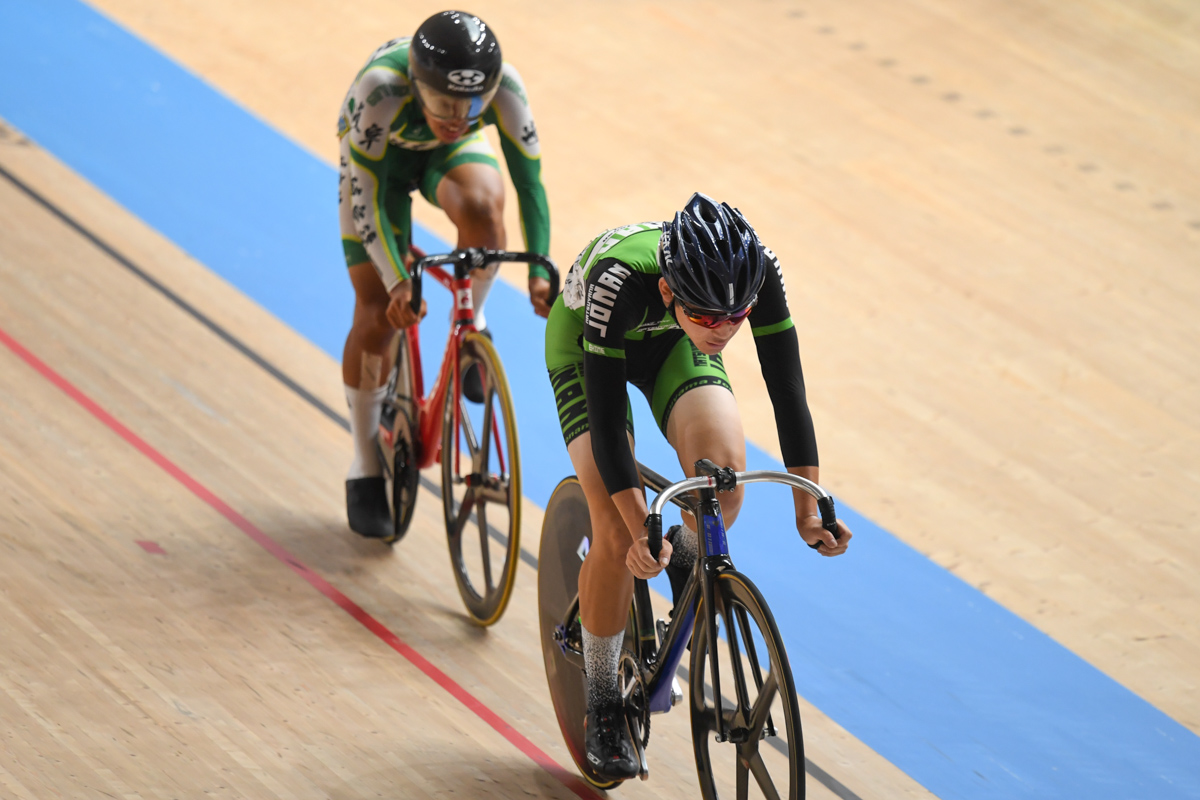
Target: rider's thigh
472, 195
609, 536
705, 423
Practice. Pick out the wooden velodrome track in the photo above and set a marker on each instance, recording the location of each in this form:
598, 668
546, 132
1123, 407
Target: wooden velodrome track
991, 210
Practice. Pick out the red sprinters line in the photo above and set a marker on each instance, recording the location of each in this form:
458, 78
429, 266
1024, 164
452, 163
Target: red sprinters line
514, 737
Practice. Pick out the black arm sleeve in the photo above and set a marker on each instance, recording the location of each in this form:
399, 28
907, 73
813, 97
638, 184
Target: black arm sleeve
613, 304
779, 357
607, 402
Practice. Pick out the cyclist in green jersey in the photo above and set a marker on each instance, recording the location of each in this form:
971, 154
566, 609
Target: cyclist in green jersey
413, 119
654, 305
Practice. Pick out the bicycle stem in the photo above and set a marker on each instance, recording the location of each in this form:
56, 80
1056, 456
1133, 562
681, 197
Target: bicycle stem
470, 258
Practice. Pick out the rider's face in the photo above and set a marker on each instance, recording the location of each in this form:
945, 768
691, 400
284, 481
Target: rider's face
450, 116
709, 341
447, 131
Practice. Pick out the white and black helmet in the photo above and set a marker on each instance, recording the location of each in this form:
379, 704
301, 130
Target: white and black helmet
454, 64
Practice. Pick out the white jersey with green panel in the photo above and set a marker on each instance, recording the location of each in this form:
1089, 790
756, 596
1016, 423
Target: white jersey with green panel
383, 120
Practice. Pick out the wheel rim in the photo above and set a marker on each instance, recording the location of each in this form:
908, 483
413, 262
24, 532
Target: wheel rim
481, 486
755, 704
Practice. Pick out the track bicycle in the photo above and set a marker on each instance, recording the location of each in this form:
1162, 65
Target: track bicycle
476, 443
720, 615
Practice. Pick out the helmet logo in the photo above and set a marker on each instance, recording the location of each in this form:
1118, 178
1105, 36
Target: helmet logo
466, 77
731, 298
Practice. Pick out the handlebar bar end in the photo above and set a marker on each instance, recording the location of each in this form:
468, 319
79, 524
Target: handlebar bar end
828, 519
654, 534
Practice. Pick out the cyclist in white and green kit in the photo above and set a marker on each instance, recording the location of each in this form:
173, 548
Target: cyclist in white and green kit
413, 120
654, 305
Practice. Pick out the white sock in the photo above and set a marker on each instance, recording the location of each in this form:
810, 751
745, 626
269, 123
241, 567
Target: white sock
601, 656
365, 408
481, 284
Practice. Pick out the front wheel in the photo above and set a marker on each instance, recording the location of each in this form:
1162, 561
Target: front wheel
762, 755
481, 485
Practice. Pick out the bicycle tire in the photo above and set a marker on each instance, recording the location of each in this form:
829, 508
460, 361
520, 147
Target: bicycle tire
485, 475
566, 538
752, 709
400, 466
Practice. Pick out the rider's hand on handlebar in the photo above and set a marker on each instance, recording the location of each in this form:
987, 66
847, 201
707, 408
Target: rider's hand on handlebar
539, 295
399, 310
641, 563
812, 532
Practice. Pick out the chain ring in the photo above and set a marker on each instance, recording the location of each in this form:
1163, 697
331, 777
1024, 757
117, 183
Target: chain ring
633, 693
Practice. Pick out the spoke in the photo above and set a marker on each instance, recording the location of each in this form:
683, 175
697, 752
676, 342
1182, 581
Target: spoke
464, 421
480, 462
762, 706
496, 433
762, 777
735, 659
464, 513
485, 548
751, 651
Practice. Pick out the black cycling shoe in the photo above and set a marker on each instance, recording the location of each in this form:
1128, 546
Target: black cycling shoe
367, 508
472, 384
609, 748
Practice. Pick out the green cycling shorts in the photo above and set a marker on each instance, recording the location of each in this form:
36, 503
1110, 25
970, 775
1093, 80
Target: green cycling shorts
663, 366
408, 170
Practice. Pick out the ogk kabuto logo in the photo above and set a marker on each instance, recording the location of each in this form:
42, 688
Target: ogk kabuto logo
466, 77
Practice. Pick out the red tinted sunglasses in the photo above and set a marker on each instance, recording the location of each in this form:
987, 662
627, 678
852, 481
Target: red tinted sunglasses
707, 320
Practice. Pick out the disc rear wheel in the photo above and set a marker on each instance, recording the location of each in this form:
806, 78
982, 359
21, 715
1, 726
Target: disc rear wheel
566, 539
481, 485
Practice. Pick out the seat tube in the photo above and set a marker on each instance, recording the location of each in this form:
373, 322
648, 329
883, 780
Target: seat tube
464, 314
647, 643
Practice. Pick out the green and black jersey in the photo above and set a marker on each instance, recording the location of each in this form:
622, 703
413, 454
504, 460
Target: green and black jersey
381, 120
611, 321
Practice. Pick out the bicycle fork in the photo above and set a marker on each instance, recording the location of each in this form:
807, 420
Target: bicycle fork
713, 557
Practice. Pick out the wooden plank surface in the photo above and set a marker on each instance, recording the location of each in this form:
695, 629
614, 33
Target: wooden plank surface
991, 212
153, 649
988, 211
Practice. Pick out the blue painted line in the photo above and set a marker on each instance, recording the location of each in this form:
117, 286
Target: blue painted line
960, 694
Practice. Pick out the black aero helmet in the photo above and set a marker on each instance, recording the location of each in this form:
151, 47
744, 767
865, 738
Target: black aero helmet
711, 257
454, 64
